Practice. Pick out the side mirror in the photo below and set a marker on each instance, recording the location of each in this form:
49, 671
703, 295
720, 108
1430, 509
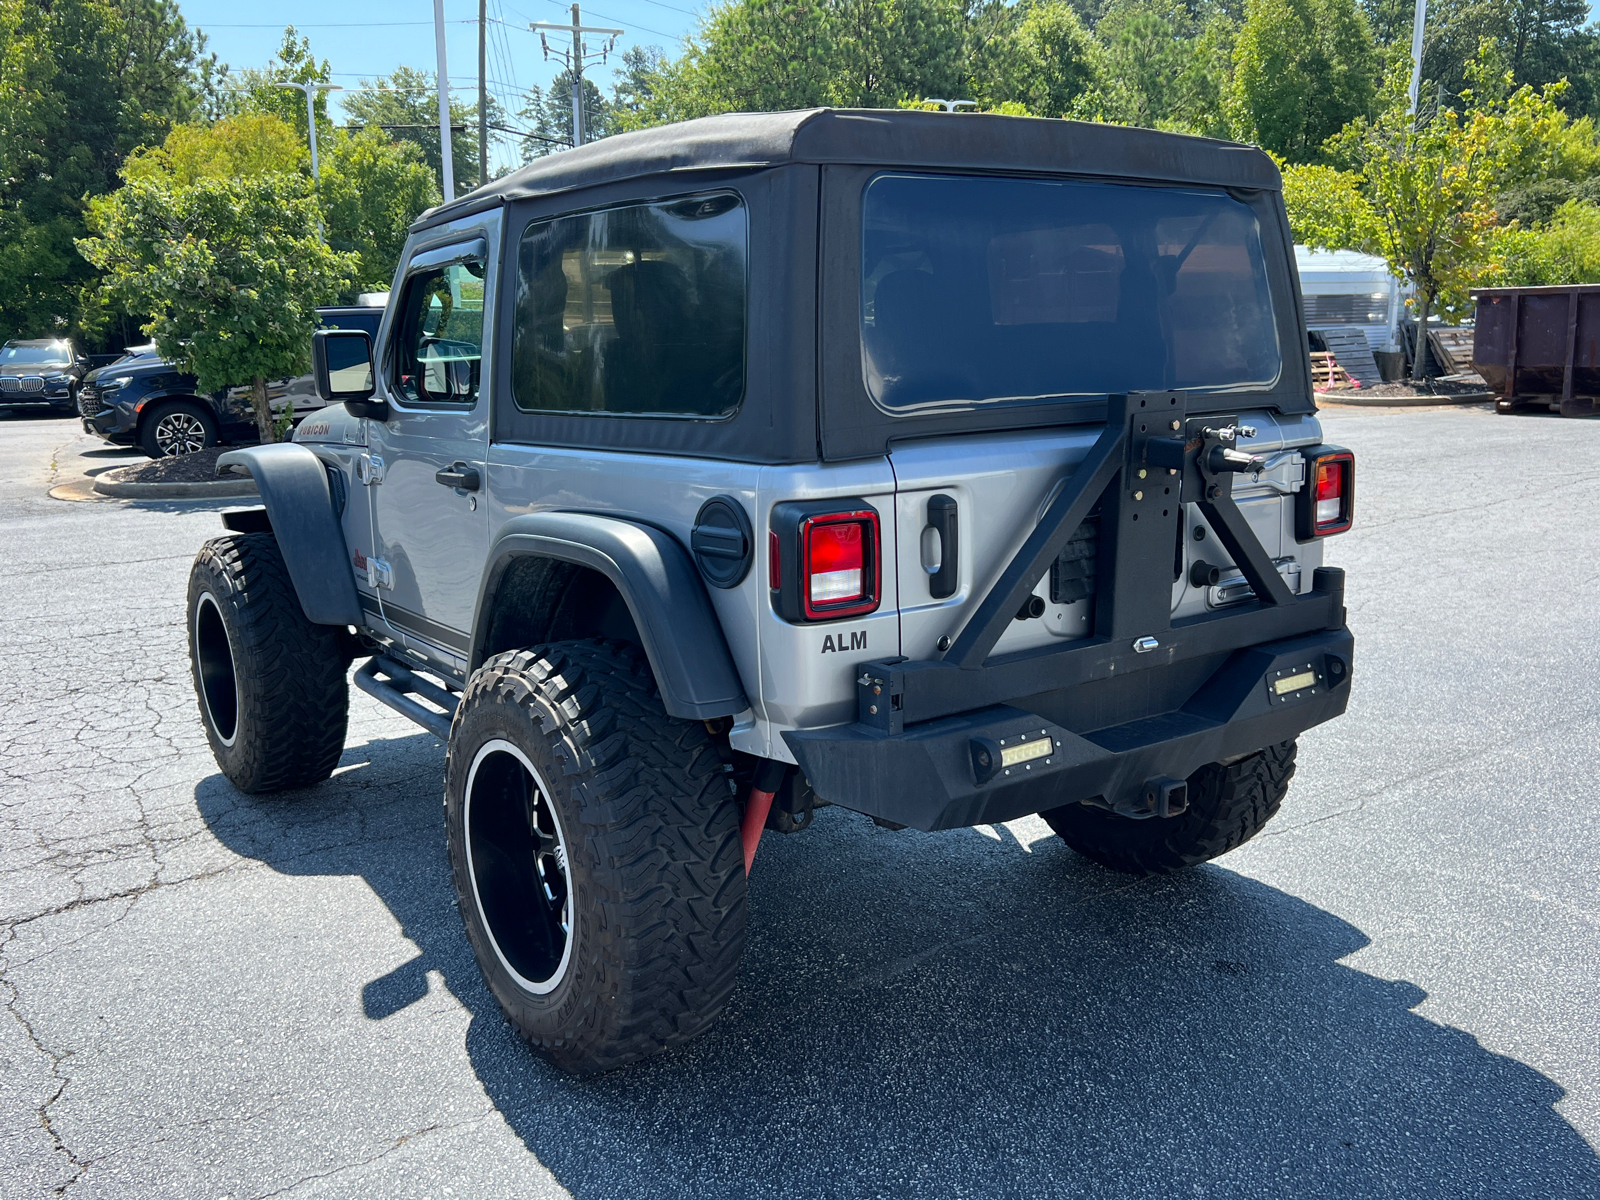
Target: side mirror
341, 362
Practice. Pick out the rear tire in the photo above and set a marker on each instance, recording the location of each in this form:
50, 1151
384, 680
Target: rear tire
177, 428
596, 854
271, 685
1228, 805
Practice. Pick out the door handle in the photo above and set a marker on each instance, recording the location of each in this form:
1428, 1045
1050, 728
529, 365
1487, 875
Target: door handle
942, 519
459, 475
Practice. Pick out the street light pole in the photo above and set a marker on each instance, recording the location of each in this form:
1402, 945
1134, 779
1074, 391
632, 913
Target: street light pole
446, 158
310, 90
1417, 22
483, 95
574, 60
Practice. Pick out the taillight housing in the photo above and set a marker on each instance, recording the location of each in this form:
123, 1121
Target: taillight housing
1326, 503
825, 559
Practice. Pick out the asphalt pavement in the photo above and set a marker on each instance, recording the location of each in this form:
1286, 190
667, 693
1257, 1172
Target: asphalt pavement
1392, 992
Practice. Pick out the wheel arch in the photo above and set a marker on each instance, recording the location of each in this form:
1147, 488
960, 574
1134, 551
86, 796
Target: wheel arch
299, 501
154, 403
583, 575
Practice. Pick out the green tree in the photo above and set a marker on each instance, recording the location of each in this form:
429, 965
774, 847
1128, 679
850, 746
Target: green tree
231, 269
372, 188
82, 84
768, 55
1538, 41
258, 90
1566, 250
406, 106
1168, 66
233, 147
1035, 53
547, 115
1302, 69
1420, 191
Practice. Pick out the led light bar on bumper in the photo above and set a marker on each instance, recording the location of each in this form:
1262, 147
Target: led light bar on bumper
825, 559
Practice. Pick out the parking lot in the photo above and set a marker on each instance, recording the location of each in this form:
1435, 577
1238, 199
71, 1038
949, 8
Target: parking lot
1393, 992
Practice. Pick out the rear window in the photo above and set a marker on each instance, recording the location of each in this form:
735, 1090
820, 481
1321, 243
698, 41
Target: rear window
634, 310
991, 291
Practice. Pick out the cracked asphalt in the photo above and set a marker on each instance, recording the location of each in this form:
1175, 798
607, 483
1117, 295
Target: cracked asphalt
1390, 993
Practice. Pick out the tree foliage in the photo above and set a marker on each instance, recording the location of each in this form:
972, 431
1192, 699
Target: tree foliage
1036, 54
1420, 189
230, 269
405, 105
768, 55
1566, 249
82, 84
1301, 70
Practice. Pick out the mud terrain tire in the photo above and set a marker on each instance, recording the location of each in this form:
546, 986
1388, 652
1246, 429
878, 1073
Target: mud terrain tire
271, 685
596, 854
1228, 805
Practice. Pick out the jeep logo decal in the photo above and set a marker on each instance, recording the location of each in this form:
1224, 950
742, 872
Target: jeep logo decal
832, 645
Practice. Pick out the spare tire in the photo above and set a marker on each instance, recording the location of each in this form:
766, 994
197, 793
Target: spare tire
1228, 805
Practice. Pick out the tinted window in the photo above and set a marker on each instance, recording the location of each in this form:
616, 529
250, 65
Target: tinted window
992, 290
439, 339
633, 310
366, 319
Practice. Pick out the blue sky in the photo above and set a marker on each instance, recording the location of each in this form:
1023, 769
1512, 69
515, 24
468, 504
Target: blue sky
366, 38
363, 39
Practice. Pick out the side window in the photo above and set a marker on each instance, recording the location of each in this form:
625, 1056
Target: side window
633, 310
438, 340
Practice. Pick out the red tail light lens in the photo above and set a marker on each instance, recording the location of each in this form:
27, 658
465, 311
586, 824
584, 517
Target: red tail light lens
839, 571
835, 562
1331, 487
826, 559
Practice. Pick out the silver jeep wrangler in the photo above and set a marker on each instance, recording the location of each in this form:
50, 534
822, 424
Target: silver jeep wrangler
942, 468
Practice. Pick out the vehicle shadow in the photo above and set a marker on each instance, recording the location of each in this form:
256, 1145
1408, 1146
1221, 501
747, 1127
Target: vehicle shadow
956, 1015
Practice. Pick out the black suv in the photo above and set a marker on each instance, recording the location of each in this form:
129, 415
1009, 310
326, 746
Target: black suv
143, 400
40, 373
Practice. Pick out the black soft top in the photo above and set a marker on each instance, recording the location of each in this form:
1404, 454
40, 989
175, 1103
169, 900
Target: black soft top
878, 137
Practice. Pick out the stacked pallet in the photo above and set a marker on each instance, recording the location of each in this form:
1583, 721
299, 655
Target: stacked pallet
1326, 373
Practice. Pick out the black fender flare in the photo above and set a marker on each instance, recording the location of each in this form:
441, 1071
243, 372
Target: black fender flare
658, 582
294, 487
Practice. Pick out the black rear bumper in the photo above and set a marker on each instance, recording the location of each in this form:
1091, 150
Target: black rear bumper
929, 777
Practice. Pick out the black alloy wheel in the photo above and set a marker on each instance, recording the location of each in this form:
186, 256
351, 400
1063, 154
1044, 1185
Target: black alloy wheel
517, 862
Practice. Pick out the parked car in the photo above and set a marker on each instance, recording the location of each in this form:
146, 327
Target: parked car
946, 469
40, 373
143, 400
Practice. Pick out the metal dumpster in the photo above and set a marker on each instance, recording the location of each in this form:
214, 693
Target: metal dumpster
1540, 346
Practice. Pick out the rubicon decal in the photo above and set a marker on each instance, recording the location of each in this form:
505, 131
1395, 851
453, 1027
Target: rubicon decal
360, 560
838, 645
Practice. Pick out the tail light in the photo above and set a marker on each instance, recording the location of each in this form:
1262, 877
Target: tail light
825, 560
1327, 502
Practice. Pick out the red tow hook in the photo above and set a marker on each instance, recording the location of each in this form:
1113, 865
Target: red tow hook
769, 778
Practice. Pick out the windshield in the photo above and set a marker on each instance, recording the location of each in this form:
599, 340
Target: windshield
985, 290
46, 356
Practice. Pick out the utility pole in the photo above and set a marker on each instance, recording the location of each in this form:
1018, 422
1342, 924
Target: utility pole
1416, 51
483, 95
446, 158
574, 59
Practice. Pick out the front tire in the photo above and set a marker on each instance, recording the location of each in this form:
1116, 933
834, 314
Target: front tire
271, 685
596, 854
180, 428
1228, 805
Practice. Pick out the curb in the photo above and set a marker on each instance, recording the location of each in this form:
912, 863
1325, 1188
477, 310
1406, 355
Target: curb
1340, 399
219, 489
